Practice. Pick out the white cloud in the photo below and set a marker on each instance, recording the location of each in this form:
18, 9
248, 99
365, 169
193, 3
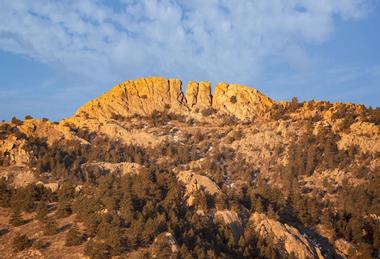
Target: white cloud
211, 40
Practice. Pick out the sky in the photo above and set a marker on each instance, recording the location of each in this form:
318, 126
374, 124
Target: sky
56, 55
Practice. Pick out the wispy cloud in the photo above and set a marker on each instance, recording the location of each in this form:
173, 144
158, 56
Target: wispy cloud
212, 40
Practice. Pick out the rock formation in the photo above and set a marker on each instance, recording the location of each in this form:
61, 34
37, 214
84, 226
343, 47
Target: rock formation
104, 168
145, 95
231, 219
164, 245
294, 241
241, 101
198, 95
141, 96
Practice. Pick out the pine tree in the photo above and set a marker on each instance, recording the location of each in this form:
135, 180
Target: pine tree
97, 250
5, 192
221, 202
21, 242
51, 227
63, 209
161, 248
258, 205
42, 211
201, 200
73, 236
272, 214
16, 218
311, 160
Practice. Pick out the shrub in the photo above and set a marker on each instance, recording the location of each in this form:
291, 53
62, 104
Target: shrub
40, 245
28, 117
117, 117
233, 99
97, 250
208, 112
74, 237
16, 219
42, 211
21, 242
51, 227
16, 121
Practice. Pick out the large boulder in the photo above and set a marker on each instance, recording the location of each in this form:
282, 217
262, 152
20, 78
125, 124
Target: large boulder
293, 241
194, 182
164, 246
230, 218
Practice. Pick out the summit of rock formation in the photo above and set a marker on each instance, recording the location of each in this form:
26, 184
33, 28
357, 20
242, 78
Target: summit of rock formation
145, 95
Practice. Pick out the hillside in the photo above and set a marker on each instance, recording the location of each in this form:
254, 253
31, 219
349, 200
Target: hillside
148, 171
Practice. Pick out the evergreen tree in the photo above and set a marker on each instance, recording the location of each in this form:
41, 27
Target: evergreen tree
5, 192
73, 236
272, 214
21, 242
16, 218
97, 250
221, 202
42, 211
51, 227
63, 209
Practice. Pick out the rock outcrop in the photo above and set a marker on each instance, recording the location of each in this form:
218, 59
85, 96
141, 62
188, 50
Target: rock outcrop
18, 176
293, 240
14, 146
103, 168
164, 246
141, 96
231, 219
344, 248
145, 95
14, 150
241, 101
194, 182
198, 95
48, 130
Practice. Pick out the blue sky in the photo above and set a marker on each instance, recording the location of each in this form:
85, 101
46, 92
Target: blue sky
56, 55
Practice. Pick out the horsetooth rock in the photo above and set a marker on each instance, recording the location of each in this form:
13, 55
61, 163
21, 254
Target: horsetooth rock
145, 95
198, 95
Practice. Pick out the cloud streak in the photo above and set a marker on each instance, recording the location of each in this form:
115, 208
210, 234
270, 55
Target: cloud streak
209, 40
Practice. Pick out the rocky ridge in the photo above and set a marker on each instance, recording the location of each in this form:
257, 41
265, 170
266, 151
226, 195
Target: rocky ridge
146, 95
